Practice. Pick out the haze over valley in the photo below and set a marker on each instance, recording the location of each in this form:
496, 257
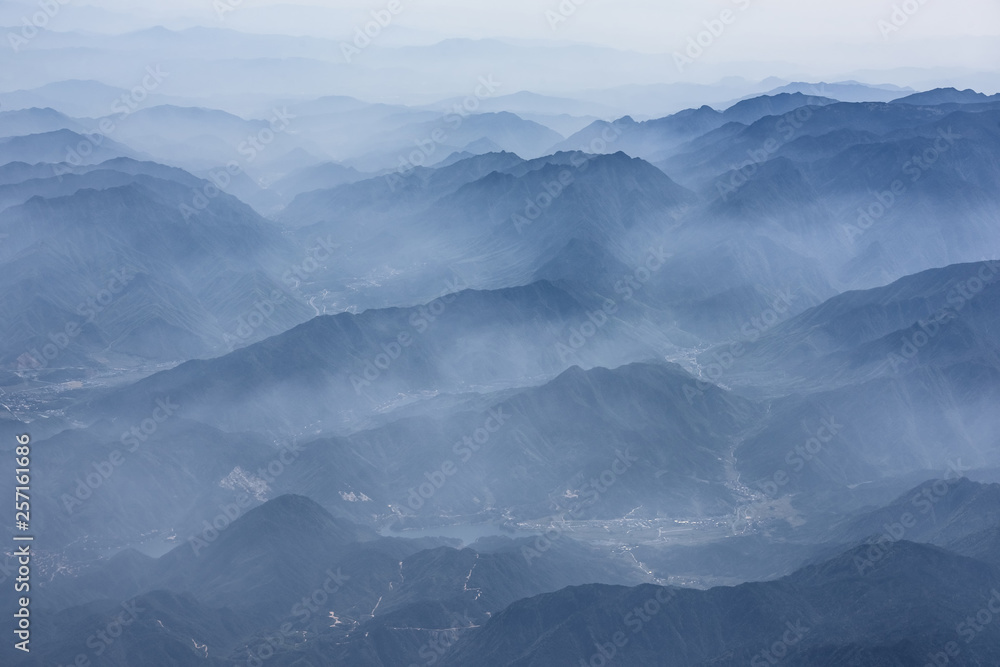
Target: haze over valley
369, 334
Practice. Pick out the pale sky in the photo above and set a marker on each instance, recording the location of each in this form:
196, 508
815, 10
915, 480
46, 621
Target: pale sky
788, 38
654, 25
644, 25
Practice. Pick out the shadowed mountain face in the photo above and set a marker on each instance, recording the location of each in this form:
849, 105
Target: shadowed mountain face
595, 444
953, 511
655, 139
585, 446
946, 96
494, 219
36, 121
905, 610
146, 280
469, 341
823, 196
497, 379
908, 372
383, 596
859, 334
315, 575
62, 145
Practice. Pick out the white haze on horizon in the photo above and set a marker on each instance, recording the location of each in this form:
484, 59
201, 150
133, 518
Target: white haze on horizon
954, 43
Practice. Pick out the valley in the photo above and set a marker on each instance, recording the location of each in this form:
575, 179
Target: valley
322, 366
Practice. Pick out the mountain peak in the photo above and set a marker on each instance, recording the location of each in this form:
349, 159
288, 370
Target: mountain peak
946, 96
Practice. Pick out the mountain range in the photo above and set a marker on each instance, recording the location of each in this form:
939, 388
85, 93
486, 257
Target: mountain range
516, 377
